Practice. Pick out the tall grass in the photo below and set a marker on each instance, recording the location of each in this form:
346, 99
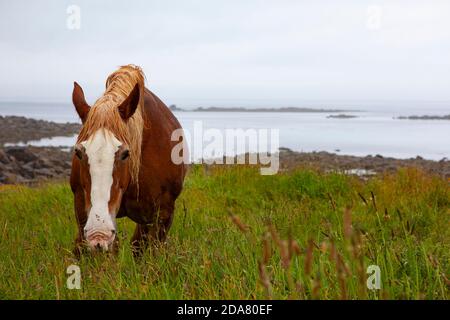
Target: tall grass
240, 235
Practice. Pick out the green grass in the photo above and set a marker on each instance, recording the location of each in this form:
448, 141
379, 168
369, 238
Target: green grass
240, 235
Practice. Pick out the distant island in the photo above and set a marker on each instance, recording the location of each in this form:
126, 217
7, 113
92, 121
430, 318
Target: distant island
426, 117
241, 109
341, 116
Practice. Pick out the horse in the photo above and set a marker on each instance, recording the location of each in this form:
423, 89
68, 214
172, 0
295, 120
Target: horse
122, 166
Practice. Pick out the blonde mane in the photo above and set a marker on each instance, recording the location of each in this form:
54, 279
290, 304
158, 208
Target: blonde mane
105, 114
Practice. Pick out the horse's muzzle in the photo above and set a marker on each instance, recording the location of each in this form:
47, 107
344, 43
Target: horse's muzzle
100, 240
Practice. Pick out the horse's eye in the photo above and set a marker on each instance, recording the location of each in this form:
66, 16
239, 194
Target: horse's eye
125, 154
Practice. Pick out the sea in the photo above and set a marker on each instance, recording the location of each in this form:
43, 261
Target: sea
375, 130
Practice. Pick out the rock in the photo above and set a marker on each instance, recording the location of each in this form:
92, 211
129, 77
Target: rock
43, 163
27, 171
22, 154
12, 178
44, 172
28, 164
59, 162
4, 157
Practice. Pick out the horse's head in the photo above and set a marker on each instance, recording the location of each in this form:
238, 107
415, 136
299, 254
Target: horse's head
102, 166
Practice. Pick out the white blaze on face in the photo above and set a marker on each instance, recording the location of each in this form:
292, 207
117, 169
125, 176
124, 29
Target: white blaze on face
100, 149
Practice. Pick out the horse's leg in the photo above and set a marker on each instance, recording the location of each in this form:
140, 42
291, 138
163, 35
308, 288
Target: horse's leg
115, 245
140, 239
164, 222
155, 232
78, 248
81, 217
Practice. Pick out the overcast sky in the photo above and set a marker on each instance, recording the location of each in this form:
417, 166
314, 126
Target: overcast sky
230, 50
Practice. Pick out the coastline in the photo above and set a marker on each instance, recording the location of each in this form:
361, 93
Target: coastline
28, 164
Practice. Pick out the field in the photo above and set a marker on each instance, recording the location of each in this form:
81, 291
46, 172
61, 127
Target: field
239, 235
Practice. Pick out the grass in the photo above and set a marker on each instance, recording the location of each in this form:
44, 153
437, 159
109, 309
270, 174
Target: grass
240, 235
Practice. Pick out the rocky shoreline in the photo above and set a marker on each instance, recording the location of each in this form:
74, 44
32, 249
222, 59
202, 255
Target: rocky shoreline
26, 164
426, 117
29, 164
362, 166
14, 129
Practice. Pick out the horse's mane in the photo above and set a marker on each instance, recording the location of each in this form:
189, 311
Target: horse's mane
105, 114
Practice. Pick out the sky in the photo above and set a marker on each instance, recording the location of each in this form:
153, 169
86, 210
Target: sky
279, 51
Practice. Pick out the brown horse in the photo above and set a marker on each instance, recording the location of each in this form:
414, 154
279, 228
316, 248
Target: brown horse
122, 163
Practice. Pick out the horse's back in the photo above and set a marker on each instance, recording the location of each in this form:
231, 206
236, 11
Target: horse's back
159, 117
157, 144
160, 179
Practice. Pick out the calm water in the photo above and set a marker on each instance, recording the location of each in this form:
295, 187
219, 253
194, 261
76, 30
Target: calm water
375, 131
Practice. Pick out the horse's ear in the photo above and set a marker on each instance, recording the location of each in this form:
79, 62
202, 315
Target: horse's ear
129, 105
80, 102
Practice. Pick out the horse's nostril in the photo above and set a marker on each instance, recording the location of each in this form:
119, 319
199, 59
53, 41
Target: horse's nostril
98, 246
113, 232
